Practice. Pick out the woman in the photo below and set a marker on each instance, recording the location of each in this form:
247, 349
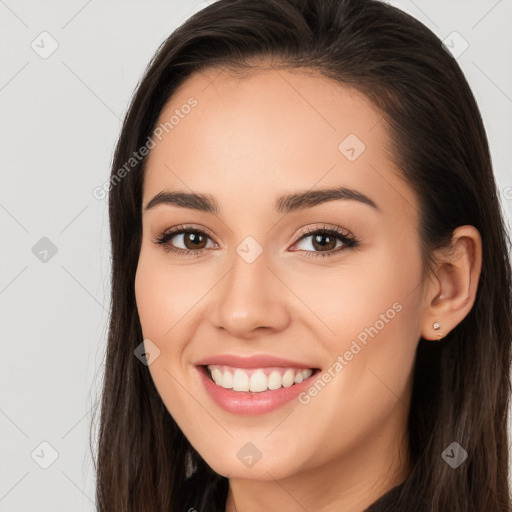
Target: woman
310, 276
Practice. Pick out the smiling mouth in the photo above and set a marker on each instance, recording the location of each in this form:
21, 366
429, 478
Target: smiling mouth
257, 380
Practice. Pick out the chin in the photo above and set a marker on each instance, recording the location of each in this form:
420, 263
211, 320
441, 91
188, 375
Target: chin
273, 468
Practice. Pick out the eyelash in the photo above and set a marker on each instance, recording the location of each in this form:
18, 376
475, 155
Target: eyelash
164, 237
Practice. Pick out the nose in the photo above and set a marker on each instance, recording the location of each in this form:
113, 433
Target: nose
251, 299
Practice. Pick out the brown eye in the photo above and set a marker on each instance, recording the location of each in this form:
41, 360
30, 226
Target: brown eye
325, 242
193, 241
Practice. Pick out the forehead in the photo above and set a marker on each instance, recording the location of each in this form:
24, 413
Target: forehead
269, 130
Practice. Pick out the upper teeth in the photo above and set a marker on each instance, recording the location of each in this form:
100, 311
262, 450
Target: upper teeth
257, 379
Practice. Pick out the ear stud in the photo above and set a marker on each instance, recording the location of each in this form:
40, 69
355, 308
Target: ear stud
436, 327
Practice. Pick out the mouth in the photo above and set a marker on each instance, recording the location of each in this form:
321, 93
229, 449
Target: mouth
257, 380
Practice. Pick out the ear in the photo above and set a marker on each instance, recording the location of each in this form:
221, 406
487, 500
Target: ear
451, 291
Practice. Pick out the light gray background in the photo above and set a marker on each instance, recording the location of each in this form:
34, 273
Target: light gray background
60, 118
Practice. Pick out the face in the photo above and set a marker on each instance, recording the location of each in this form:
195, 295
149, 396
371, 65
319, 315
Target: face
306, 311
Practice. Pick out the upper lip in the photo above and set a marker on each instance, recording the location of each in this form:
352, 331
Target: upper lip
255, 361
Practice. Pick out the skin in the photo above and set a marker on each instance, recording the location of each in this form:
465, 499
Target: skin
248, 141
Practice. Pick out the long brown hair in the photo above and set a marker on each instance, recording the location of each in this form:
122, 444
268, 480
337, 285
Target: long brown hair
461, 386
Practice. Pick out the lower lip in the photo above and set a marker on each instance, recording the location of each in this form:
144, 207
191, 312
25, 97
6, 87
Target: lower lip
250, 404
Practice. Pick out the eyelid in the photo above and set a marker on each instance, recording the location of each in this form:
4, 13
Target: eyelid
175, 230
314, 229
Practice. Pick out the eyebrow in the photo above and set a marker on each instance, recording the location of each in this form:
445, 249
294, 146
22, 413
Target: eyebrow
284, 204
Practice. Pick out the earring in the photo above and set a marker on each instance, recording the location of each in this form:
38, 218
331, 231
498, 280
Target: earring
436, 327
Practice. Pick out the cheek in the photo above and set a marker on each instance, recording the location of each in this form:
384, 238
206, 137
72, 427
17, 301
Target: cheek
377, 331
372, 311
373, 295
160, 314
164, 294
